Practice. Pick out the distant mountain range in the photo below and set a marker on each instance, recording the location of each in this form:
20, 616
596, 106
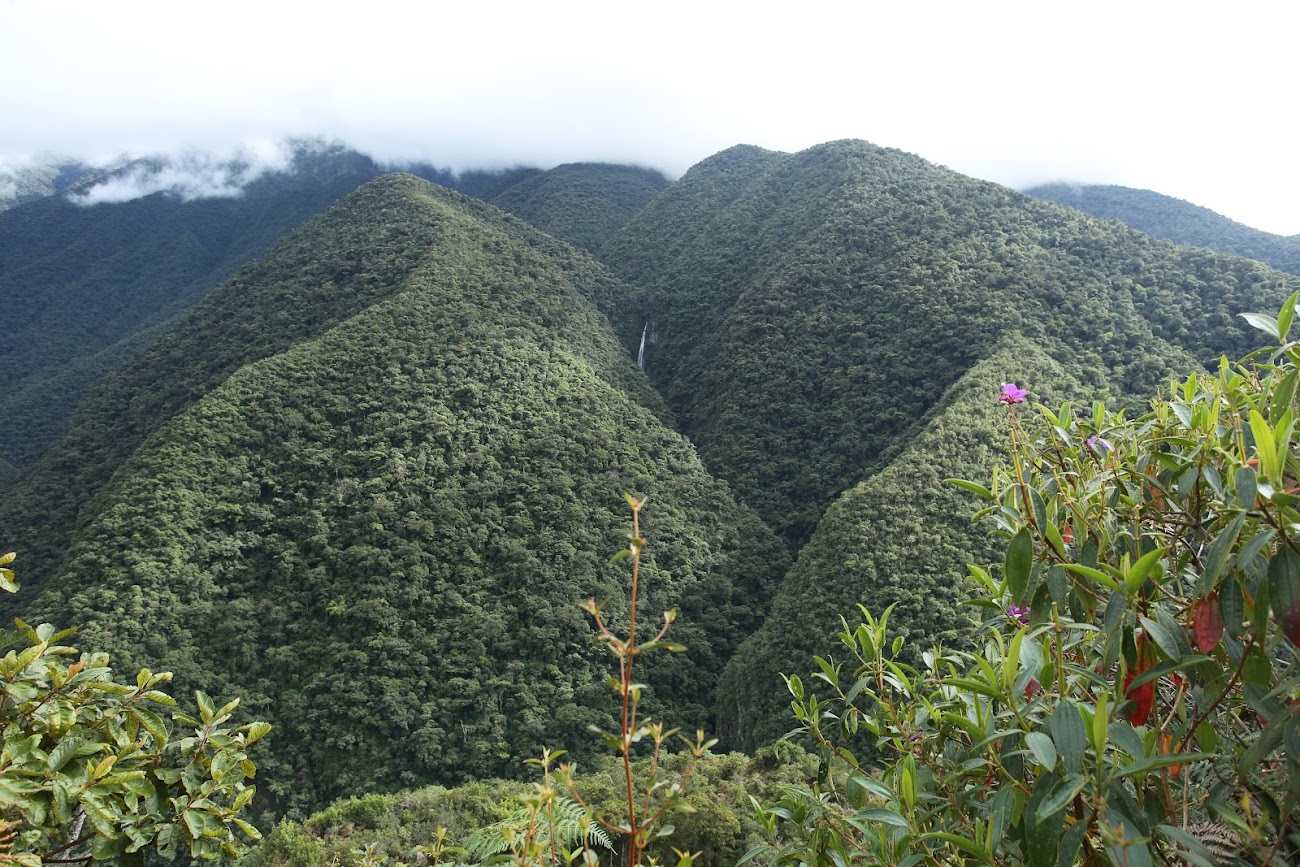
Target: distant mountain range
366, 480
1176, 220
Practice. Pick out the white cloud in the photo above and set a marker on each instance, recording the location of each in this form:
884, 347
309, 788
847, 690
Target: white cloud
193, 175
1184, 98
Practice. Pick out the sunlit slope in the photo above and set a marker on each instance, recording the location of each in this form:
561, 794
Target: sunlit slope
377, 525
803, 310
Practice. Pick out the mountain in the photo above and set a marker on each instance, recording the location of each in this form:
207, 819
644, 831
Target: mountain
49, 176
902, 537
803, 312
366, 482
366, 485
582, 203
1177, 221
85, 286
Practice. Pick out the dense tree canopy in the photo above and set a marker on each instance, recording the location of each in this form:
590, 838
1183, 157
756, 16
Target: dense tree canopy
385, 469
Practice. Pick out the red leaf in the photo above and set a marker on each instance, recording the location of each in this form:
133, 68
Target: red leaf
1207, 623
1143, 698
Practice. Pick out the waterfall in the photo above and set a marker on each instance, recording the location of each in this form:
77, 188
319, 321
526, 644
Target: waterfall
640, 353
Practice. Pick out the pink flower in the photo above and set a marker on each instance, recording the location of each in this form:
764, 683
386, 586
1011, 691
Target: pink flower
1015, 612
1011, 393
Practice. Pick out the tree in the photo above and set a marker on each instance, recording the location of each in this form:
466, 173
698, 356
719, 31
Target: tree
90, 770
1134, 695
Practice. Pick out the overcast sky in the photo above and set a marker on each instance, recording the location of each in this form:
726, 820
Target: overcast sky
1195, 100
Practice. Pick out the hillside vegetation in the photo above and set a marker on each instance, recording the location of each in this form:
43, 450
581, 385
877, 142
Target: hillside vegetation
803, 311
582, 203
85, 287
1176, 220
367, 482
903, 537
384, 468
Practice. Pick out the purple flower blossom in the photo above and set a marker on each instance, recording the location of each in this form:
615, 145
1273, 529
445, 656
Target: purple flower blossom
1099, 445
1011, 393
1015, 612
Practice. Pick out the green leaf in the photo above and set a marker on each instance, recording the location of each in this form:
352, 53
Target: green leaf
1247, 487
1041, 746
887, 817
1095, 574
1060, 794
1283, 397
1164, 760
970, 847
1156, 672
1068, 733
1285, 317
1218, 555
1020, 554
1264, 323
1139, 571
1265, 446
974, 487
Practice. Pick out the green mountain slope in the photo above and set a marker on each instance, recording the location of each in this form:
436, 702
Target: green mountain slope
1176, 220
902, 537
367, 484
582, 203
803, 310
84, 287
359, 252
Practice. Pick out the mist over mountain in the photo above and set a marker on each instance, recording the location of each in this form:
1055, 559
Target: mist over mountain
1176, 220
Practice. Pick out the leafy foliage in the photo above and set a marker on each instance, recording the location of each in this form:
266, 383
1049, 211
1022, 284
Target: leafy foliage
719, 824
570, 825
90, 770
1132, 693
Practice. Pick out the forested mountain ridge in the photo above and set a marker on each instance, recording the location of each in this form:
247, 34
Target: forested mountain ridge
582, 203
367, 481
366, 485
849, 285
354, 254
1176, 220
85, 286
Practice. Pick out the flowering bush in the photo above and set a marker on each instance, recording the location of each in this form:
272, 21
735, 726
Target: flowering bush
1133, 695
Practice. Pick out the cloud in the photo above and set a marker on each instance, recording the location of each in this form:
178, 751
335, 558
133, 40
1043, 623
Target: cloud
190, 176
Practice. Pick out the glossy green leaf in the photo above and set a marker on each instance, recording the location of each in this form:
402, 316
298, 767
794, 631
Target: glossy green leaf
1020, 553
